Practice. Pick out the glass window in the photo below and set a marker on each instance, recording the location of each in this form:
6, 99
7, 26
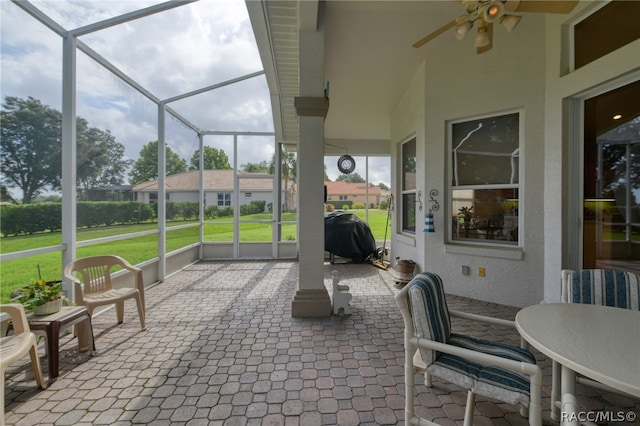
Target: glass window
224, 199
611, 204
609, 28
485, 179
409, 187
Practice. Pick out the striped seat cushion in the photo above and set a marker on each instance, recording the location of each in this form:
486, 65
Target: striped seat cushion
492, 382
605, 287
429, 311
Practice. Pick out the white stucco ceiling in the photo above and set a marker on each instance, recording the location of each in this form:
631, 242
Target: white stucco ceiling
368, 58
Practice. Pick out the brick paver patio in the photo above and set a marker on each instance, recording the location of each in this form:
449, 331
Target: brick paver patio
221, 348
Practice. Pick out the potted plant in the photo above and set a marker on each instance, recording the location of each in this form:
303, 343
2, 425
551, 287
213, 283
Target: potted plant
466, 214
42, 297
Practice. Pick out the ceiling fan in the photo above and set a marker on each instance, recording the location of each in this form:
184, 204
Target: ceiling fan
487, 12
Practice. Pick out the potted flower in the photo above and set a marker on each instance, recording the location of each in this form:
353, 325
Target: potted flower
42, 297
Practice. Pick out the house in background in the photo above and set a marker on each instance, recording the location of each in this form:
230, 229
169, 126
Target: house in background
111, 193
218, 186
340, 193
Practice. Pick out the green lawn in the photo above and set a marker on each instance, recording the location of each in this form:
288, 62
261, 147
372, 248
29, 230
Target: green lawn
15, 273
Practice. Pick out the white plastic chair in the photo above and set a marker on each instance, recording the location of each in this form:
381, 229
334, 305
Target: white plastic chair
491, 369
17, 345
93, 284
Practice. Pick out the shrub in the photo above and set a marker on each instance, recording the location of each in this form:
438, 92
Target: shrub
41, 217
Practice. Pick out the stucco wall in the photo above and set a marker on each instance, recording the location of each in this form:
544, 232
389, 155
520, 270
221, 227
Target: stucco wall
459, 84
526, 70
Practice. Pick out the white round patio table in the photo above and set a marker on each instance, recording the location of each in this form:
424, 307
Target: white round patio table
599, 342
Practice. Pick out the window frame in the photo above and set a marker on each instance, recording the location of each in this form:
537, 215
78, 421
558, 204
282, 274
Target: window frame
408, 190
454, 220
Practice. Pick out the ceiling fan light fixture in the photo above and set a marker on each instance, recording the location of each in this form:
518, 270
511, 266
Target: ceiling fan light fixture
482, 38
461, 30
509, 22
493, 11
470, 5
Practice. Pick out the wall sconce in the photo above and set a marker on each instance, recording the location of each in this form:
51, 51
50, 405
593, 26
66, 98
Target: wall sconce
435, 206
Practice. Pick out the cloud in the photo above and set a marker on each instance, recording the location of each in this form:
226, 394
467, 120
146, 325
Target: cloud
170, 53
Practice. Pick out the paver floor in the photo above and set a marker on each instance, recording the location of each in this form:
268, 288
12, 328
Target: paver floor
221, 348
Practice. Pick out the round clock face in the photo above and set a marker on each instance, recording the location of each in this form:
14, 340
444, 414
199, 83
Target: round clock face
346, 164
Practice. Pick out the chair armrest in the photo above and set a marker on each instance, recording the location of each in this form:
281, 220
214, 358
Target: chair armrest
18, 317
489, 320
79, 291
483, 318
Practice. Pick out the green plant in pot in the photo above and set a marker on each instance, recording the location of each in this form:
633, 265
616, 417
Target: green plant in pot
466, 213
42, 297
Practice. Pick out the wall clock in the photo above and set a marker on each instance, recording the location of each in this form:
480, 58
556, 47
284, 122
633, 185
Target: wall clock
346, 164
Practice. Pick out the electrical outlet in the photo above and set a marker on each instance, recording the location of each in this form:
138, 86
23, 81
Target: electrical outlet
465, 270
481, 272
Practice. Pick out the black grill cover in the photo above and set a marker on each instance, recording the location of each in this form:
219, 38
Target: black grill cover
345, 235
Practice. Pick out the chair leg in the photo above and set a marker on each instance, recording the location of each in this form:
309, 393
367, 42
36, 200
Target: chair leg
409, 378
2, 398
35, 364
468, 411
120, 311
141, 313
428, 380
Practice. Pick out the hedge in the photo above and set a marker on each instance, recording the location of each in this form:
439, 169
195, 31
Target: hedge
41, 217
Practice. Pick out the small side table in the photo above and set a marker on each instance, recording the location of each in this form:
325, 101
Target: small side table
51, 325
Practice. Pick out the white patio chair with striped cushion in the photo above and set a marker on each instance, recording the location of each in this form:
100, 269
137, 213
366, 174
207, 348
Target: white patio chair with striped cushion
491, 369
607, 287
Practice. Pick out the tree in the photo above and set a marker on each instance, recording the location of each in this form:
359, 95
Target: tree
261, 167
31, 136
289, 172
214, 159
381, 185
32, 150
352, 178
100, 159
145, 168
5, 195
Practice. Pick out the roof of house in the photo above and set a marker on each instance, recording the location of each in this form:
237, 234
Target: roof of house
348, 188
214, 180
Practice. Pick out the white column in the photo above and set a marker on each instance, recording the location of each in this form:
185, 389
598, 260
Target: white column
312, 298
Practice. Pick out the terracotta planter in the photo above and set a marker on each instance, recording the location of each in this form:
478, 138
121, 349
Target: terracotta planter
48, 308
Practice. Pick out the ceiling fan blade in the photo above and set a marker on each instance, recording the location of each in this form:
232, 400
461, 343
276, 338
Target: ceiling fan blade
547, 6
488, 47
424, 40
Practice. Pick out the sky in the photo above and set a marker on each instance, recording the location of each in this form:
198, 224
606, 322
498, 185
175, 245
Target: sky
170, 53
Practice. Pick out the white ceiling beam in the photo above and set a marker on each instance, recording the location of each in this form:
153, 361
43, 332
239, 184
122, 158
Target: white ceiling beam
131, 16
